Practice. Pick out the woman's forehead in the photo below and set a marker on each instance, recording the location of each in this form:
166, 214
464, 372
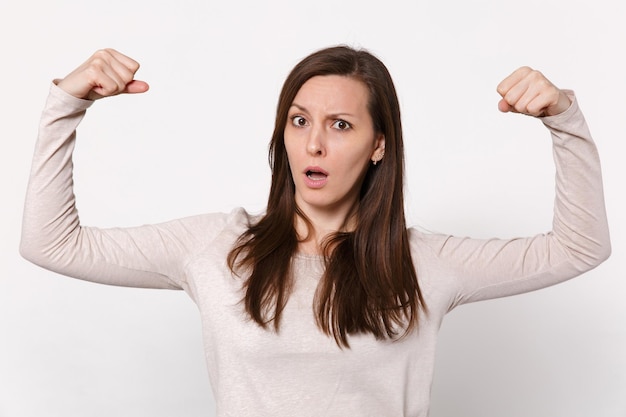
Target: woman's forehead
332, 93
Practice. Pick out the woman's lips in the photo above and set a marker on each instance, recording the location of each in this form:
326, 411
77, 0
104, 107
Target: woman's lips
315, 177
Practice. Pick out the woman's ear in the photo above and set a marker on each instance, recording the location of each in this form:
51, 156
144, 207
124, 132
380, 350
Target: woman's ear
379, 150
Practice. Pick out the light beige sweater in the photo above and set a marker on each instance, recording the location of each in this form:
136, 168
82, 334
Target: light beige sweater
300, 371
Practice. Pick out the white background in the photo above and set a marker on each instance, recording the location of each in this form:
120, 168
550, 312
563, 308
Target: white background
197, 142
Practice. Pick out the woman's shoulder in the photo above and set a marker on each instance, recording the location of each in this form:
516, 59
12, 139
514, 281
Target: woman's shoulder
421, 239
194, 234
238, 219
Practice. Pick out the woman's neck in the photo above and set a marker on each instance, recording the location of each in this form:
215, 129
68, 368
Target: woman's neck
314, 228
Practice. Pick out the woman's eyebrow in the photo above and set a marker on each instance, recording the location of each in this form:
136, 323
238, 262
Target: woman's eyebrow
332, 115
301, 108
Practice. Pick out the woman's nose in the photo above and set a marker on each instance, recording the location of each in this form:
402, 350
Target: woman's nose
315, 143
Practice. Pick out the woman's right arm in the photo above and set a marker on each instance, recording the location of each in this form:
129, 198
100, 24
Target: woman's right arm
52, 236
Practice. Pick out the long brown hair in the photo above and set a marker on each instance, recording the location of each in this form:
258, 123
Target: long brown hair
369, 284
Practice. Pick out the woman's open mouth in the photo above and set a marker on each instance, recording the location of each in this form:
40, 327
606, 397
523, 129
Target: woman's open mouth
315, 177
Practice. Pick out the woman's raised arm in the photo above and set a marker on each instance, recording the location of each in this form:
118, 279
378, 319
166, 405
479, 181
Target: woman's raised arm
480, 269
52, 236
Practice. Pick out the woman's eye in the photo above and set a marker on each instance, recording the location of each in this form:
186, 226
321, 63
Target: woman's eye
298, 121
341, 125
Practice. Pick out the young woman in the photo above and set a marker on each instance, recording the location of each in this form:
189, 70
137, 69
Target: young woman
326, 304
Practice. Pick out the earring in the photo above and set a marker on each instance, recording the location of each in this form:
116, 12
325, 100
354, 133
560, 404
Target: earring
379, 157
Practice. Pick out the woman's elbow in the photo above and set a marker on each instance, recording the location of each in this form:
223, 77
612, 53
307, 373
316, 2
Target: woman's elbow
34, 252
31, 252
600, 252
605, 252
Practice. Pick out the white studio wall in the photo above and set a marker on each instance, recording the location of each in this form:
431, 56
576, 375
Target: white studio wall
197, 142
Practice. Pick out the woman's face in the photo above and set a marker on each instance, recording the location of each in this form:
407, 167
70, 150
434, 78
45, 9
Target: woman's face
330, 142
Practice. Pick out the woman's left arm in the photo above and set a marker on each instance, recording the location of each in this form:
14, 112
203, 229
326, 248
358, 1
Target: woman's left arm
580, 222
579, 239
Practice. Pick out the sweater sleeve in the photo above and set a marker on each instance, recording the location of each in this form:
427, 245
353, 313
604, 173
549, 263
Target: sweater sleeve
150, 256
479, 269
